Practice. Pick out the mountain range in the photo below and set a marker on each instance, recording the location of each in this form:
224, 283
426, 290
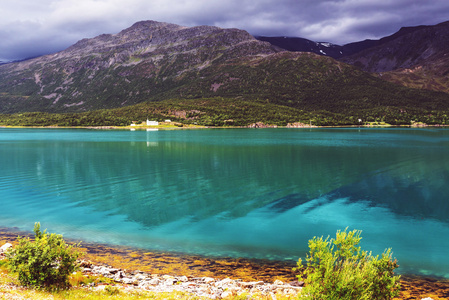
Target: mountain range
416, 57
152, 62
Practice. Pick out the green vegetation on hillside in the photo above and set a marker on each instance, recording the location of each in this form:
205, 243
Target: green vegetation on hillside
274, 89
226, 112
431, 77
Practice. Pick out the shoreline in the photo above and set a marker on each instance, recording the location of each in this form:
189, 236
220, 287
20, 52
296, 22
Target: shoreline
173, 127
159, 264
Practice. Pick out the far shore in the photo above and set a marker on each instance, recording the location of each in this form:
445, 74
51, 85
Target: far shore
188, 126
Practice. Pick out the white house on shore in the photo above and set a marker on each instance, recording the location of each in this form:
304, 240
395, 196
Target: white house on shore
152, 123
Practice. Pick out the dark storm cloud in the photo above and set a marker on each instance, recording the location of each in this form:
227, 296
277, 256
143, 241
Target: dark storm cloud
29, 28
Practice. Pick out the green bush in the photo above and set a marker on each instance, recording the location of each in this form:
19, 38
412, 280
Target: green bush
45, 262
112, 290
339, 269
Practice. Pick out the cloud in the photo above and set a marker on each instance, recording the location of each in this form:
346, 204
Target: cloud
353, 20
30, 28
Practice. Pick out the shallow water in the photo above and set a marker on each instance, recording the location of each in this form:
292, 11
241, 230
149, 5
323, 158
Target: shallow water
234, 192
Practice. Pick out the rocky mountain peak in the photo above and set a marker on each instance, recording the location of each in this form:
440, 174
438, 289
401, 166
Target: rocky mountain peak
146, 36
146, 54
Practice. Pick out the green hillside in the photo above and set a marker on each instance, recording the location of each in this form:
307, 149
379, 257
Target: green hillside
225, 112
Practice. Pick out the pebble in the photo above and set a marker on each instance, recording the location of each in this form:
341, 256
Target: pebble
198, 286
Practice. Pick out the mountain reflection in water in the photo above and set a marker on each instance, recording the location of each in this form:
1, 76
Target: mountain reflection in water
239, 193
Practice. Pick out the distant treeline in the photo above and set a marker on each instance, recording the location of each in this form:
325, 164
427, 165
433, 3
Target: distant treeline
227, 112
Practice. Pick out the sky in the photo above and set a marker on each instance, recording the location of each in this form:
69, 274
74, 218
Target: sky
31, 28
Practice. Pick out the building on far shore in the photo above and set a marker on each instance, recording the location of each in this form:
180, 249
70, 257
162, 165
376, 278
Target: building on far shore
152, 123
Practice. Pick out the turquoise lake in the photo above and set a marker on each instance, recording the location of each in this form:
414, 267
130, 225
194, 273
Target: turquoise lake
256, 193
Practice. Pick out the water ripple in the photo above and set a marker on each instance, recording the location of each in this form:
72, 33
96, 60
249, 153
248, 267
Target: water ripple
249, 193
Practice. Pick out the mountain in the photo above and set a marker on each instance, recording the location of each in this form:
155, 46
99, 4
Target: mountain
138, 64
298, 44
416, 57
156, 62
333, 50
409, 47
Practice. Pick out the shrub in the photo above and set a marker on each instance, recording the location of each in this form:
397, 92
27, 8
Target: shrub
112, 290
78, 279
45, 262
339, 269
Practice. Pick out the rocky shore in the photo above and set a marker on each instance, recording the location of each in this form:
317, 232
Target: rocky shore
199, 286
208, 287
219, 287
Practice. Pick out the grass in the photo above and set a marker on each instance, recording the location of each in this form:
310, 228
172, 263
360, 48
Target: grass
377, 124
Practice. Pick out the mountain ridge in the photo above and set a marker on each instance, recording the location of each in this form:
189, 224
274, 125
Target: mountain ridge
154, 61
338, 51
152, 46
404, 49
415, 57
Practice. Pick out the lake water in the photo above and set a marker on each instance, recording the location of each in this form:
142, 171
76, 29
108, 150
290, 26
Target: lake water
257, 193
